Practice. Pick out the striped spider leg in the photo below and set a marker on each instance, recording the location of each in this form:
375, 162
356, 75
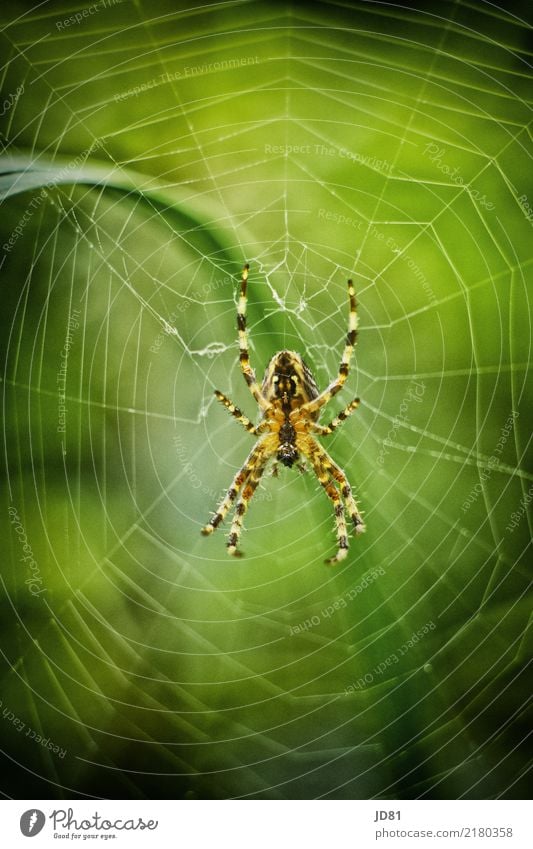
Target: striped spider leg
290, 404
330, 476
258, 451
254, 460
314, 405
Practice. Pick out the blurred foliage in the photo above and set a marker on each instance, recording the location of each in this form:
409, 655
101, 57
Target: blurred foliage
147, 155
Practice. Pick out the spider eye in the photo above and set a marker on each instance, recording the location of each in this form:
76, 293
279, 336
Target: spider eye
275, 379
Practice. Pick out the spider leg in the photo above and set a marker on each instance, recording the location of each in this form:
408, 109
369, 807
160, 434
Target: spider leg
345, 488
325, 430
324, 476
236, 484
244, 355
242, 505
325, 469
241, 418
334, 387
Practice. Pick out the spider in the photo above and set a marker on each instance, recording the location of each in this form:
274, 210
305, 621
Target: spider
290, 404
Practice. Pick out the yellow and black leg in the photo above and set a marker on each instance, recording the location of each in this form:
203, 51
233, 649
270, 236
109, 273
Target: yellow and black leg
345, 488
242, 506
244, 354
240, 478
325, 430
244, 420
338, 383
325, 479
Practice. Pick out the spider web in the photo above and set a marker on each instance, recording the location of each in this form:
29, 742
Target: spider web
317, 141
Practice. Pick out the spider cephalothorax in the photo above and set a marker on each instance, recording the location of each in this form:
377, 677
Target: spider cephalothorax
290, 405
287, 451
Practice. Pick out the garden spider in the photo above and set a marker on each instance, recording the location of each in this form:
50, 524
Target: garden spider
290, 404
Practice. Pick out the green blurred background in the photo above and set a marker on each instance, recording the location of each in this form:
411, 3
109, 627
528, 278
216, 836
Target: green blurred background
148, 151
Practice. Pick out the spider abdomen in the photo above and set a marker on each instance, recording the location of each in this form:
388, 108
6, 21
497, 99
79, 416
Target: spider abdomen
287, 453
